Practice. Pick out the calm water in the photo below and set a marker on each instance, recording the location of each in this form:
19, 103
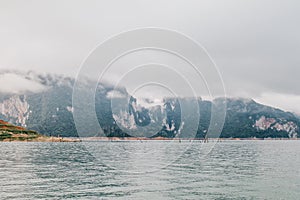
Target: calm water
150, 170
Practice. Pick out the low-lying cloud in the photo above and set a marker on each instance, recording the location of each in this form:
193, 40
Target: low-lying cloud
16, 84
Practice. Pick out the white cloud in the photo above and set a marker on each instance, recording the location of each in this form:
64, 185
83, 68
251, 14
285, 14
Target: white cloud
254, 43
285, 102
115, 94
16, 84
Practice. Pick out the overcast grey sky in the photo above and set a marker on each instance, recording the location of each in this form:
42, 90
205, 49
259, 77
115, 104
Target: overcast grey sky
255, 43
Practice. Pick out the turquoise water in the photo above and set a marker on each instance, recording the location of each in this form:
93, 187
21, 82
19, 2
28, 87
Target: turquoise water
150, 170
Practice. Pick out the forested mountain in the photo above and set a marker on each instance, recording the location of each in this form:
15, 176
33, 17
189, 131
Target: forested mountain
48, 109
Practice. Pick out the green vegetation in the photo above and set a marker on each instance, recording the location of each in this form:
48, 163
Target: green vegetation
9, 132
5, 135
50, 113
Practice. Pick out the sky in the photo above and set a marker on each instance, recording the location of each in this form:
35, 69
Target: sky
254, 43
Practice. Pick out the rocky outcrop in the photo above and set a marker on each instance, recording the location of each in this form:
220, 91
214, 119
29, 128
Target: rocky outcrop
265, 123
16, 109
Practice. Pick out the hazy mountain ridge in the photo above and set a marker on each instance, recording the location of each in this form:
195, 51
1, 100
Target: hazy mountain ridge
49, 111
251, 119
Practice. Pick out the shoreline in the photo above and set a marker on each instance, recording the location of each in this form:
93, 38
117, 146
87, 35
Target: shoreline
128, 139
42, 139
178, 139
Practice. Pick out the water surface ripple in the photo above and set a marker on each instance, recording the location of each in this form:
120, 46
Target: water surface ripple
232, 170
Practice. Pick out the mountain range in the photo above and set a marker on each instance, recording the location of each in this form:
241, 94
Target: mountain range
43, 102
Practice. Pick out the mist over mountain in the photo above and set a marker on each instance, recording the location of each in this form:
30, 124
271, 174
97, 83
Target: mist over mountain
43, 102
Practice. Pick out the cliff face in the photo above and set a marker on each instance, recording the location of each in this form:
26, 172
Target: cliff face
264, 124
16, 109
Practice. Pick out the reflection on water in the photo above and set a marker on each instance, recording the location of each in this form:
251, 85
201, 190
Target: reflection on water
232, 170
